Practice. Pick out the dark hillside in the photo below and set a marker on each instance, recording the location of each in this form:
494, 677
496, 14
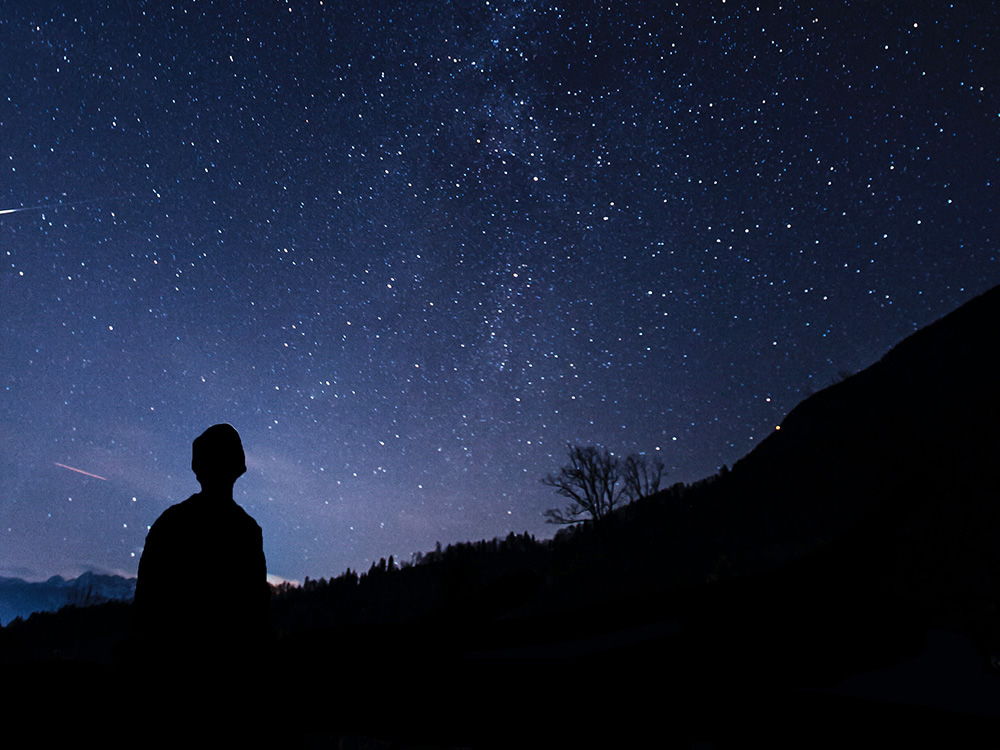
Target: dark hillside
837, 549
928, 411
897, 464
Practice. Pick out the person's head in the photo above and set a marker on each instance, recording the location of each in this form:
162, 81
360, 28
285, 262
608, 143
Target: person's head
217, 457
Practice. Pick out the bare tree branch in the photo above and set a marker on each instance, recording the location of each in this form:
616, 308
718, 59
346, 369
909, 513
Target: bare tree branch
642, 476
592, 480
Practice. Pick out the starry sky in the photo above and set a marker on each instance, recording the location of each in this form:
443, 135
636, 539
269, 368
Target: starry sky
411, 250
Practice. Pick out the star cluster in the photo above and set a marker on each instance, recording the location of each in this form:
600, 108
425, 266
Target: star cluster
412, 250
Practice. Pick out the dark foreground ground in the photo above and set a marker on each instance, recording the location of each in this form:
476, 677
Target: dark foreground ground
625, 681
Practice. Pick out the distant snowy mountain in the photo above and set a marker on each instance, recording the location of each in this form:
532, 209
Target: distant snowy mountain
19, 598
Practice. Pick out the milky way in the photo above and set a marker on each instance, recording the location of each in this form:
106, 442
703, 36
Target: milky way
412, 253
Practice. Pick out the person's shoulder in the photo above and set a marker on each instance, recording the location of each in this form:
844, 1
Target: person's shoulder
245, 518
182, 508
175, 513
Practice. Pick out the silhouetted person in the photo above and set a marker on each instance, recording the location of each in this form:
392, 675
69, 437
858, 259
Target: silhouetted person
202, 596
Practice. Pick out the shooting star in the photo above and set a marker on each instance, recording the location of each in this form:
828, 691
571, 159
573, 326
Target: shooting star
67, 204
80, 471
5, 211
17, 210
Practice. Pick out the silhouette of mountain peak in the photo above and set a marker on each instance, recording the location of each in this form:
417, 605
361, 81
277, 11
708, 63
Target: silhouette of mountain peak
893, 467
933, 399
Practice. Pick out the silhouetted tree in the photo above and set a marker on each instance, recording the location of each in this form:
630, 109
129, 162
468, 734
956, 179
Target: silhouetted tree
642, 476
593, 482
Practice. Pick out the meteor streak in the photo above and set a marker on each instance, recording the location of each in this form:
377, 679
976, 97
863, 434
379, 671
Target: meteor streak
16, 210
80, 471
5, 211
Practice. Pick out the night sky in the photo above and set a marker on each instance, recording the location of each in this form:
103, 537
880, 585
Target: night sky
412, 253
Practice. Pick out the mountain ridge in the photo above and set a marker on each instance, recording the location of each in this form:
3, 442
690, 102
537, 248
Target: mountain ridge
21, 598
